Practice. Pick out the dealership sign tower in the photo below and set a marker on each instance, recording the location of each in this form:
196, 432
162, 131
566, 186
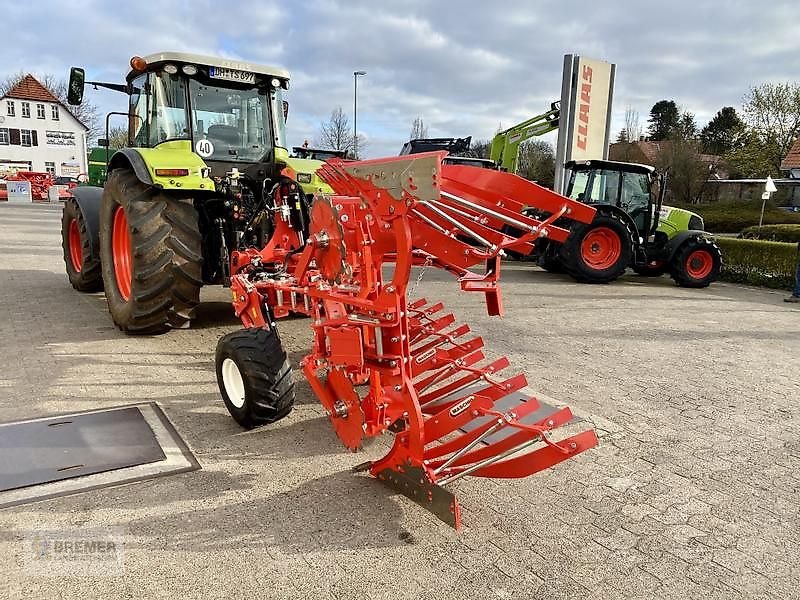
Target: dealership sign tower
587, 88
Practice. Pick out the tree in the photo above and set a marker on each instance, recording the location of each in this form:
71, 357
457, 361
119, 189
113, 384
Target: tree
117, 138
664, 119
687, 127
86, 112
772, 111
688, 173
479, 149
633, 130
537, 162
418, 129
336, 134
753, 156
723, 132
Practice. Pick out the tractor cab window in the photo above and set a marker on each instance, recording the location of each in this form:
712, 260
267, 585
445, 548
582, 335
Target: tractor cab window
635, 198
158, 109
232, 121
595, 186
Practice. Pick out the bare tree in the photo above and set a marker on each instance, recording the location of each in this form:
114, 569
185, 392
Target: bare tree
418, 129
117, 138
633, 130
86, 112
336, 133
479, 149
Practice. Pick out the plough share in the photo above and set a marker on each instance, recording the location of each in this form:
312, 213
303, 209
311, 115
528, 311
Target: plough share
381, 362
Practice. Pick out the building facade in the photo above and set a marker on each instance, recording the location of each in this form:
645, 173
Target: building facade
38, 133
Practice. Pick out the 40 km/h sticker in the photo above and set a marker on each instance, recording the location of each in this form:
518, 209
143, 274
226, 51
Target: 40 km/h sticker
204, 148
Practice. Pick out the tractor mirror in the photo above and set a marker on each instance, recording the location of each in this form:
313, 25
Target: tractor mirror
102, 142
77, 78
285, 111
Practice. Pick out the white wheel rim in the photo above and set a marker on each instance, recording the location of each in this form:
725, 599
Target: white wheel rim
233, 382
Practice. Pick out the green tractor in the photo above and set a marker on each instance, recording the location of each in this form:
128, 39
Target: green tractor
207, 153
632, 229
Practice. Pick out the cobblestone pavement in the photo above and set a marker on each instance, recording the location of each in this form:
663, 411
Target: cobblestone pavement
692, 493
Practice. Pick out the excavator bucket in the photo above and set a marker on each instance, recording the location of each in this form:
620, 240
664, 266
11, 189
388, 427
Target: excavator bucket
382, 362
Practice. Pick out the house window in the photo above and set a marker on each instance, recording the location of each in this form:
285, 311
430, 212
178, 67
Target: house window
50, 167
55, 112
25, 137
26, 110
40, 111
10, 108
3, 136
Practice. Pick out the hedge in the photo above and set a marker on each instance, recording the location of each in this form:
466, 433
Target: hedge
758, 262
732, 217
775, 233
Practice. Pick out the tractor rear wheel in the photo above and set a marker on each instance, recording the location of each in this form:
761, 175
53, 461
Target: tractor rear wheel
81, 251
696, 264
151, 253
254, 376
600, 251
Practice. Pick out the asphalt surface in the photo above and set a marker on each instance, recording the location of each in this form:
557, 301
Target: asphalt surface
693, 491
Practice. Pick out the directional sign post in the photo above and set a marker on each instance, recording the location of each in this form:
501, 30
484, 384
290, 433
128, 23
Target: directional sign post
769, 187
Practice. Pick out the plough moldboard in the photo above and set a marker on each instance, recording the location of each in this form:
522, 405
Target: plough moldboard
381, 362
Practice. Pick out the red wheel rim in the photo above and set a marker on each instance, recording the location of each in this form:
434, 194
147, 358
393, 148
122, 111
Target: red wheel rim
699, 264
75, 246
601, 248
121, 251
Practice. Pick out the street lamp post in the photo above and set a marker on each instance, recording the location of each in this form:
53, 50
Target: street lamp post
355, 111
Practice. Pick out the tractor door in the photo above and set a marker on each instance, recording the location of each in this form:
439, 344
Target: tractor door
635, 199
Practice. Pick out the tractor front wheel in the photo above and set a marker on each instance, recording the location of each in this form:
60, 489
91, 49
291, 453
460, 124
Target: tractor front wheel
254, 377
600, 251
151, 253
81, 251
696, 264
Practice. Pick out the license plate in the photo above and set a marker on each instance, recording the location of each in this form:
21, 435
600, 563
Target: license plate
231, 75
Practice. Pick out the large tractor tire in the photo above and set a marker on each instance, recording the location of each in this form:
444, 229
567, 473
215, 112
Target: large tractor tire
254, 377
696, 264
151, 253
81, 249
600, 251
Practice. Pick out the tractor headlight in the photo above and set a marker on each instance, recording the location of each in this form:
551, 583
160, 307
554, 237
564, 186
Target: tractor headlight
171, 69
696, 222
189, 70
304, 177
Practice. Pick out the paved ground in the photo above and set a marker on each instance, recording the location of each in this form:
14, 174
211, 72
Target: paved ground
693, 492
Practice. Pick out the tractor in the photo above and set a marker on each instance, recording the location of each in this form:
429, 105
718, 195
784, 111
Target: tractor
632, 228
206, 152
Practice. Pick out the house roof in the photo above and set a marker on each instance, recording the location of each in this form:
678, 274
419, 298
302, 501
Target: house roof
792, 159
30, 88
651, 150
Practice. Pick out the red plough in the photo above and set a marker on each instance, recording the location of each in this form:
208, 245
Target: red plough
381, 362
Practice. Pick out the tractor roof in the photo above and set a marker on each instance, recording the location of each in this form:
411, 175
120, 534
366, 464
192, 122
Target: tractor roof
611, 165
211, 61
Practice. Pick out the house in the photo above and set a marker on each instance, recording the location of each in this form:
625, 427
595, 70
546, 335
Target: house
791, 162
39, 133
648, 153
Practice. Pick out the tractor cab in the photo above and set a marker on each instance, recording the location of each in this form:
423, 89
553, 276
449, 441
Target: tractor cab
634, 189
230, 113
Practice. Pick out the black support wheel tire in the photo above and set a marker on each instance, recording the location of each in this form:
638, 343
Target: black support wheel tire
151, 252
254, 377
81, 249
696, 264
600, 251
550, 259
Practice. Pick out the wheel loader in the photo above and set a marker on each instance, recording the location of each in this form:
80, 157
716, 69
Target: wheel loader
206, 151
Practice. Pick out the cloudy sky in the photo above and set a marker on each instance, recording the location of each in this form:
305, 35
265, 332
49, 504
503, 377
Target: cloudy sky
464, 66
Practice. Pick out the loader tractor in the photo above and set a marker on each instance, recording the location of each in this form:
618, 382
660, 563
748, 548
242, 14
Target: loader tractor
631, 228
207, 151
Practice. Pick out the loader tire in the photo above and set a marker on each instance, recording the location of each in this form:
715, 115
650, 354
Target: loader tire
600, 251
696, 264
150, 246
81, 249
254, 377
